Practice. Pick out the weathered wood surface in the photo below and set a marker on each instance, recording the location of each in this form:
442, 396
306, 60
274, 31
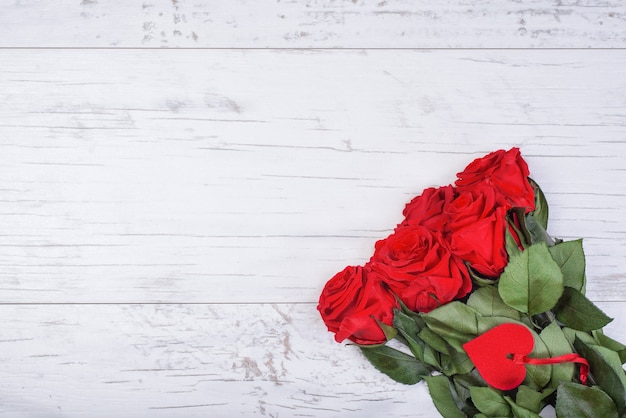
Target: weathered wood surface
313, 23
239, 176
168, 217
192, 361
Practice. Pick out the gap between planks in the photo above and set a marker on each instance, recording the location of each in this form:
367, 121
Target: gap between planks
131, 48
161, 303
196, 303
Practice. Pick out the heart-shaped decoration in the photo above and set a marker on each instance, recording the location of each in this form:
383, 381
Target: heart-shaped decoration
492, 354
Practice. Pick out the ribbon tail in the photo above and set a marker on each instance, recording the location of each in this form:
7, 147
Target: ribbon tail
566, 358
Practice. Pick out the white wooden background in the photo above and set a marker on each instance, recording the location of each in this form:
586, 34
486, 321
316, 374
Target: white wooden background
178, 179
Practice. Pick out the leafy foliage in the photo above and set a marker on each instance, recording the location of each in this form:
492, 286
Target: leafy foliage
532, 282
543, 289
607, 371
443, 396
574, 400
578, 312
570, 257
394, 363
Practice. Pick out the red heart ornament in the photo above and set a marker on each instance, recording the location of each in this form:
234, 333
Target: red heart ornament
492, 354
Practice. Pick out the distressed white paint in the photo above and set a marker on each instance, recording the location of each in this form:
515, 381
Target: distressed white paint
216, 182
313, 23
253, 176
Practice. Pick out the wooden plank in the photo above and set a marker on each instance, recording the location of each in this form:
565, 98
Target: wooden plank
313, 23
253, 176
195, 360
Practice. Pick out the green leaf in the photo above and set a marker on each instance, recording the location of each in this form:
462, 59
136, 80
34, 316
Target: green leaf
461, 388
455, 314
455, 322
490, 401
557, 345
462, 397
519, 411
511, 245
574, 400
405, 310
397, 365
441, 393
409, 328
537, 232
434, 340
538, 376
572, 335
607, 371
485, 323
389, 331
487, 302
432, 357
473, 378
456, 363
519, 214
529, 398
462, 384
532, 282
541, 205
611, 344
578, 312
570, 257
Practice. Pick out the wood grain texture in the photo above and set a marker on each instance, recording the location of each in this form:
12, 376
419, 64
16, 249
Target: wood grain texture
313, 23
169, 216
194, 360
253, 176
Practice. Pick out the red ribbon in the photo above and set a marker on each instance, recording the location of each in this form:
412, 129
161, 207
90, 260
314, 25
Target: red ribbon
500, 356
566, 358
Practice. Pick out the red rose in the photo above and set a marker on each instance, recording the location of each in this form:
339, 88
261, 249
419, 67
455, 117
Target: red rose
351, 303
507, 172
427, 209
476, 230
420, 269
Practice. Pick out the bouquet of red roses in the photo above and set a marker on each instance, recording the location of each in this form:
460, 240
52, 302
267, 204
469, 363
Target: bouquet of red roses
491, 310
